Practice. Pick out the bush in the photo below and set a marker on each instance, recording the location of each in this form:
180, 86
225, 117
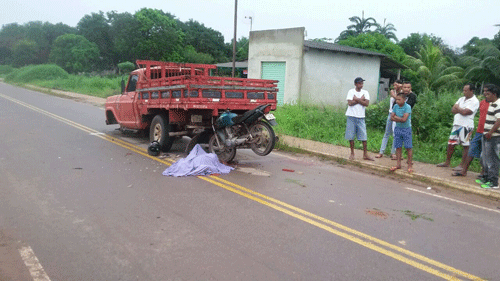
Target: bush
126, 67
40, 72
6, 69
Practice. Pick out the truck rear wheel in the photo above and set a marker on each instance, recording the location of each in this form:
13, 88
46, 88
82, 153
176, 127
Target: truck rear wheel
159, 132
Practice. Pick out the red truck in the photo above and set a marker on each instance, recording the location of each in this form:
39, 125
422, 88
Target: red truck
172, 100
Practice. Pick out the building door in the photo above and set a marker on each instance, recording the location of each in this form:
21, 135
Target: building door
275, 71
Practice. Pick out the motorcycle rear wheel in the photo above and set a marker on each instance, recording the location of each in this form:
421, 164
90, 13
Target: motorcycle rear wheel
264, 138
224, 153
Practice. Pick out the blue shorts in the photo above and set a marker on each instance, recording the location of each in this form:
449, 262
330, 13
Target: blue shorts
475, 146
403, 135
355, 127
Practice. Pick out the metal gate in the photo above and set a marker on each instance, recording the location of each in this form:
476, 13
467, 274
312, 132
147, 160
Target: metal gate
275, 71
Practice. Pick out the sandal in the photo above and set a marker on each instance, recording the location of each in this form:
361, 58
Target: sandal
458, 174
393, 169
379, 155
394, 157
410, 170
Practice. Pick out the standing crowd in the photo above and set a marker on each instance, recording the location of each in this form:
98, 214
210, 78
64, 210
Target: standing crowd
484, 145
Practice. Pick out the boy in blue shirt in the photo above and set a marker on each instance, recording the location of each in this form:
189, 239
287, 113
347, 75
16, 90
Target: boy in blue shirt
401, 114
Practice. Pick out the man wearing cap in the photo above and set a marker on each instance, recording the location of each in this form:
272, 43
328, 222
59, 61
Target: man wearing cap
357, 101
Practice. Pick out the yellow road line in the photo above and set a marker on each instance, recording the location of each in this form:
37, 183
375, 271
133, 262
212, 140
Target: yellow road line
299, 213
350, 230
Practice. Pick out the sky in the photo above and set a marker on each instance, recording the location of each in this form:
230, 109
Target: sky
455, 21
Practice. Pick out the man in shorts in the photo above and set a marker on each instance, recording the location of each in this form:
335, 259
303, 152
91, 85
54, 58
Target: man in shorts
463, 125
475, 147
357, 101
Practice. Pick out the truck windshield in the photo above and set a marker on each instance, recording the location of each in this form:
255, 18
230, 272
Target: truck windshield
132, 83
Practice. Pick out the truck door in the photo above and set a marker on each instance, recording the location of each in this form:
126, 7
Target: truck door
127, 112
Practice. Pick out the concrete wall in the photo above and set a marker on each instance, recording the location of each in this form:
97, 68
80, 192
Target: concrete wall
278, 45
327, 76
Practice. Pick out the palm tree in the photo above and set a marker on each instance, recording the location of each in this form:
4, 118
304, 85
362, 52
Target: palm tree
484, 66
387, 30
359, 26
435, 70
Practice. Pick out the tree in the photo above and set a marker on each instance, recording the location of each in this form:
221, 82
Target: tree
387, 30
96, 29
204, 40
378, 43
160, 38
435, 70
359, 26
74, 53
192, 56
125, 33
415, 41
25, 52
483, 66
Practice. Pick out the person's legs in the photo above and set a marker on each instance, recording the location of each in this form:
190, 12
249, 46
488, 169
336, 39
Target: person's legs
495, 161
398, 143
453, 140
351, 143
350, 132
474, 151
409, 152
387, 134
362, 136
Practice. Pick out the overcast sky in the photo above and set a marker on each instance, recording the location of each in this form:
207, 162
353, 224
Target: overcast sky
456, 21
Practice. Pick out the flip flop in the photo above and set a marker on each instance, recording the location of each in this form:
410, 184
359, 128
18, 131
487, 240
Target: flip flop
393, 169
458, 174
379, 156
394, 157
410, 170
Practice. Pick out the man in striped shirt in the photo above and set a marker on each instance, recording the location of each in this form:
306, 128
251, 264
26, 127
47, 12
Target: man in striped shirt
491, 143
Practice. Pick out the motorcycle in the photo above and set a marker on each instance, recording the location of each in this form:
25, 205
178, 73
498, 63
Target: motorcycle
248, 130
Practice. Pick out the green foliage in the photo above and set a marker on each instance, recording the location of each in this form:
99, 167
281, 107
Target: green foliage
484, 65
435, 70
358, 26
378, 43
387, 30
160, 37
24, 53
94, 86
5, 69
74, 53
126, 67
205, 40
96, 29
40, 72
416, 41
190, 55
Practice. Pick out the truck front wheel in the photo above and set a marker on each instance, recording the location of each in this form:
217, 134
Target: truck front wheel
159, 132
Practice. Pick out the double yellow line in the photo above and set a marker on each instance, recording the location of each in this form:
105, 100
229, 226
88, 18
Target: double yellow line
413, 259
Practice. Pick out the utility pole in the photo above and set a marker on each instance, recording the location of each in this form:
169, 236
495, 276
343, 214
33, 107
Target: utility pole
234, 40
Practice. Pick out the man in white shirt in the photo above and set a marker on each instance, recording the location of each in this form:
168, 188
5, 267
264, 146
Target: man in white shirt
357, 101
463, 125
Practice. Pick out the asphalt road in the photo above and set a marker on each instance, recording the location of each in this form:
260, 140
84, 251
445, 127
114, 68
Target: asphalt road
82, 201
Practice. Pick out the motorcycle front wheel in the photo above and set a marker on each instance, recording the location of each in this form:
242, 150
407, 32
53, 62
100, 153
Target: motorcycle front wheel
224, 153
264, 138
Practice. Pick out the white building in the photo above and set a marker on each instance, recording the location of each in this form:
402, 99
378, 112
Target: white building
316, 72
